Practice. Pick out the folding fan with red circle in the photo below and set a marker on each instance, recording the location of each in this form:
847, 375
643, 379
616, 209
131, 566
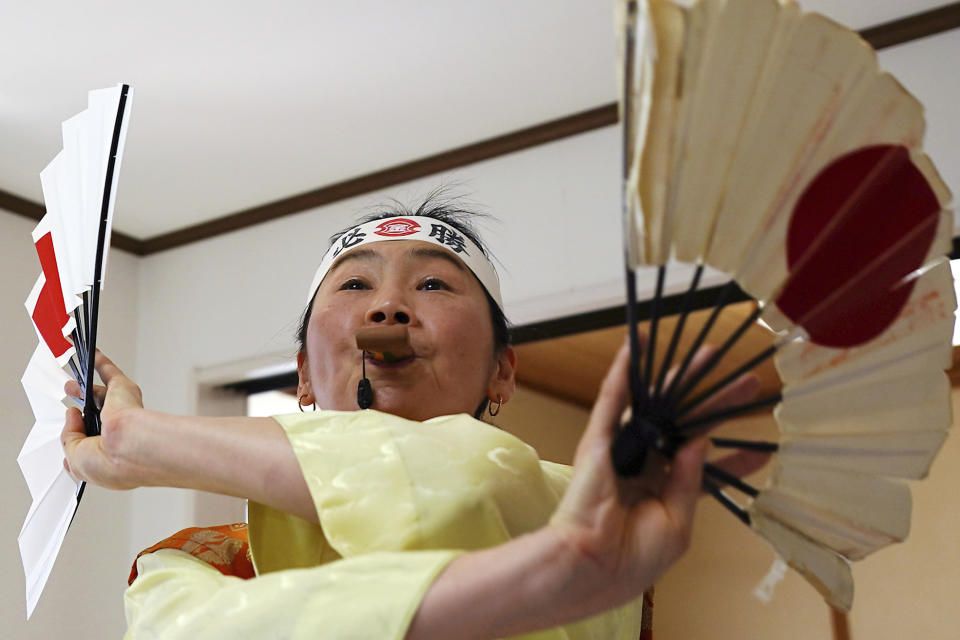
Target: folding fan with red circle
765, 143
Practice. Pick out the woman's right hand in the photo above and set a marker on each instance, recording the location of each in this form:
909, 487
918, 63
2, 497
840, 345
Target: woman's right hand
235, 456
105, 459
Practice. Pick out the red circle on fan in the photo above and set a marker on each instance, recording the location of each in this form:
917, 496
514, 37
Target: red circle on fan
394, 227
862, 225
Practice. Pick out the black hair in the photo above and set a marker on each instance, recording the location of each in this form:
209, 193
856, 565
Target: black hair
449, 210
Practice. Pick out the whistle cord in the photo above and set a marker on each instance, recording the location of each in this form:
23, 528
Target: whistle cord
364, 390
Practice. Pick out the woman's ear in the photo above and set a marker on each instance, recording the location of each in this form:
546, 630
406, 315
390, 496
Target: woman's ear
503, 383
304, 390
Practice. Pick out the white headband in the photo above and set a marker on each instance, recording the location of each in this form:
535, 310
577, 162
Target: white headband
413, 228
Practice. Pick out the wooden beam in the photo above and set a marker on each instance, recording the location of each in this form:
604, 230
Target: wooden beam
21, 206
919, 25
34, 210
954, 371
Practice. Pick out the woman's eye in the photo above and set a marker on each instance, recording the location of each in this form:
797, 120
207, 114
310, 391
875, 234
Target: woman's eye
433, 284
354, 284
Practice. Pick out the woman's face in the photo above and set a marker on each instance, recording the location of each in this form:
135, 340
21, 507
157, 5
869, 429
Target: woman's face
429, 290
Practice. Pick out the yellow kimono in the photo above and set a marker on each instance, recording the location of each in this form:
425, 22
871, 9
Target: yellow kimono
397, 500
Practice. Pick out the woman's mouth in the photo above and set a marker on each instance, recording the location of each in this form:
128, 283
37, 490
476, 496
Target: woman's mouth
387, 360
385, 342
386, 346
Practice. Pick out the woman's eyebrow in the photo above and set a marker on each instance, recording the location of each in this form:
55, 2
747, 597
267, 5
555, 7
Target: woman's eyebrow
360, 254
443, 254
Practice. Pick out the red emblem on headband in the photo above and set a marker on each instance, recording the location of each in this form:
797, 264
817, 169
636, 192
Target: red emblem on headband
394, 227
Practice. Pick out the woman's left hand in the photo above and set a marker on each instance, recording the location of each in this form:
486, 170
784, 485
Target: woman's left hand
624, 533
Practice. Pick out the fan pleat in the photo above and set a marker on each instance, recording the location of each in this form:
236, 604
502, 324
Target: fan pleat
784, 146
919, 339
43, 532
828, 572
650, 186
74, 196
870, 404
53, 491
723, 87
61, 228
852, 513
905, 454
41, 455
42, 380
102, 105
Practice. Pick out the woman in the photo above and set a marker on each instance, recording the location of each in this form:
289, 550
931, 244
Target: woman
432, 524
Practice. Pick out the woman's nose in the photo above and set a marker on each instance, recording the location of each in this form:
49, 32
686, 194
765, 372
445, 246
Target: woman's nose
389, 311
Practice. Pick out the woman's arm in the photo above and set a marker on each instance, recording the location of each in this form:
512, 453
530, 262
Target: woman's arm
548, 578
243, 457
178, 597
608, 541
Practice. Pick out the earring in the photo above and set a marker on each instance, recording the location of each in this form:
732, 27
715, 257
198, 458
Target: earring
493, 412
300, 402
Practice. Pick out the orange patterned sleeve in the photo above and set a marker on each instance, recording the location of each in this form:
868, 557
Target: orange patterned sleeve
225, 548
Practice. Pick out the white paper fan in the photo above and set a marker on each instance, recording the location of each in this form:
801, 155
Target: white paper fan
79, 188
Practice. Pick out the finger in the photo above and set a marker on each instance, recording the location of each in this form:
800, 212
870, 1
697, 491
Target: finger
699, 360
612, 399
743, 463
99, 395
71, 436
122, 390
106, 368
73, 429
740, 391
66, 467
683, 487
72, 389
606, 412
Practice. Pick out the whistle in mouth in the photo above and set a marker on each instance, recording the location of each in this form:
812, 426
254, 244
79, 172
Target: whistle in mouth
387, 343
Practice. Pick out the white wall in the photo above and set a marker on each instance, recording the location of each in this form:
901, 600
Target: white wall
84, 595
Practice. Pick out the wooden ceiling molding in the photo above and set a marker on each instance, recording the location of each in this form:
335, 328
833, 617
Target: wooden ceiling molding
445, 161
34, 210
919, 25
881, 36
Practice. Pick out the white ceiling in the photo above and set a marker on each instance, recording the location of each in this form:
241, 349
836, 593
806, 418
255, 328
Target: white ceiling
240, 103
